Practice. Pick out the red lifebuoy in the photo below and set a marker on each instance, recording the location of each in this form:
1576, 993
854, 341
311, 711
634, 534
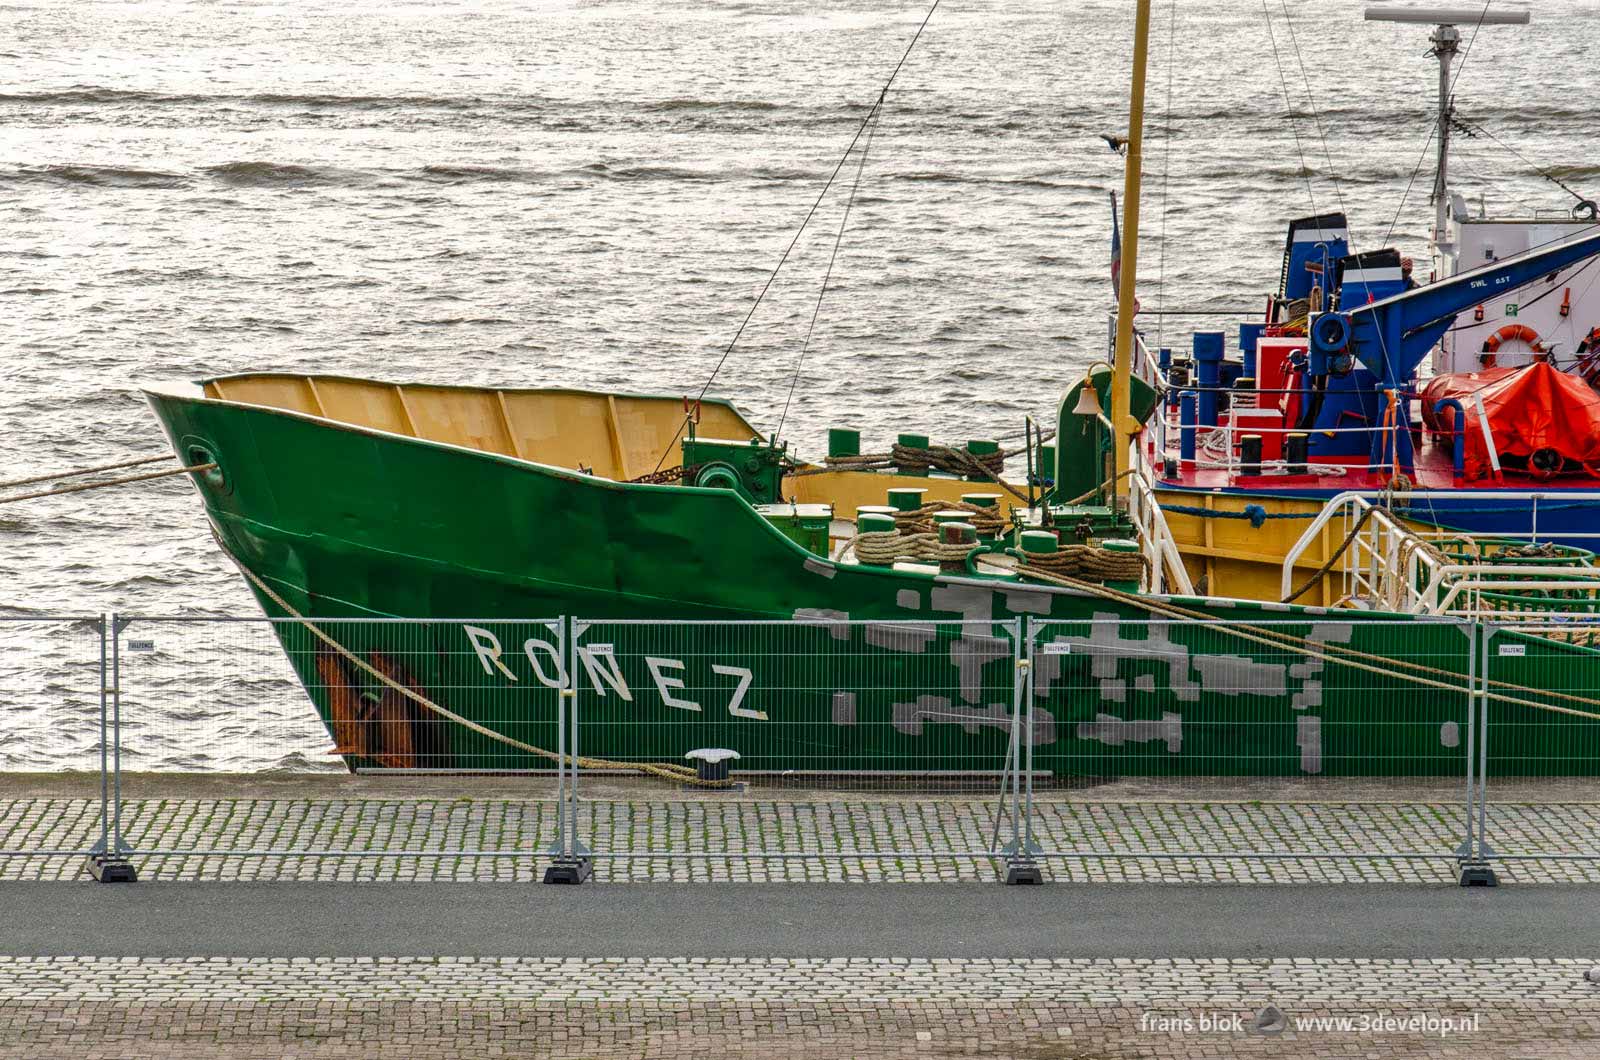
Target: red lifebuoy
1509, 333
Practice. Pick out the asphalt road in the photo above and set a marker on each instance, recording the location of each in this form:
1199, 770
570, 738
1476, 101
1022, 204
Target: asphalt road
796, 920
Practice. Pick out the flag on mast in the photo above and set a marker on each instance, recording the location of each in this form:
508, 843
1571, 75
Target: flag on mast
1116, 254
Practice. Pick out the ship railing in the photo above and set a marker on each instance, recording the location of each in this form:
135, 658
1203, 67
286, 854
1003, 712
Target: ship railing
1473, 596
1390, 564
1167, 572
1145, 363
1221, 444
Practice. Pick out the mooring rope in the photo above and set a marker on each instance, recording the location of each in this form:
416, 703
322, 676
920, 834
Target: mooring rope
664, 770
1321, 571
84, 471
123, 481
1380, 664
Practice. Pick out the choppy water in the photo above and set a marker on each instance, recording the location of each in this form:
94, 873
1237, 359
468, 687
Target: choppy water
590, 194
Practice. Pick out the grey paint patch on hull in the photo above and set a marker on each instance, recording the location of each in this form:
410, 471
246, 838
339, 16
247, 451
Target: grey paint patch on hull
909, 718
971, 602
1107, 648
1114, 731
816, 566
970, 655
910, 599
1240, 675
837, 621
1308, 736
1450, 734
1026, 601
844, 708
1310, 694
900, 637
1044, 727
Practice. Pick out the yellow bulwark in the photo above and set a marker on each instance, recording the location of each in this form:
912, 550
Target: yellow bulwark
617, 436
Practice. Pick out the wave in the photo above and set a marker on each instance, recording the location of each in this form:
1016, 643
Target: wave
95, 94
1573, 172
943, 177
711, 105
94, 176
279, 174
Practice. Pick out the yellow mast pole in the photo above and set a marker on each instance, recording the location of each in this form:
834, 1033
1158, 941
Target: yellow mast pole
1124, 426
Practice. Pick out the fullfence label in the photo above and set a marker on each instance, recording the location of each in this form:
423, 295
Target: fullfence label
1513, 649
1058, 647
141, 645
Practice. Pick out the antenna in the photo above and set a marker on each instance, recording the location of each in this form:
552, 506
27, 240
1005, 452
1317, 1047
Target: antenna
1445, 39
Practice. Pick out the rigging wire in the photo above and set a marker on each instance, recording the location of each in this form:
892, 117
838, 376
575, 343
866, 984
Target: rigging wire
1327, 153
1421, 157
1283, 82
1450, 106
801, 230
1166, 168
838, 239
1311, 101
1473, 129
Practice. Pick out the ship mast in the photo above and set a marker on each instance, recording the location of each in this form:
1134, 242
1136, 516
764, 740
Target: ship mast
1123, 425
1446, 41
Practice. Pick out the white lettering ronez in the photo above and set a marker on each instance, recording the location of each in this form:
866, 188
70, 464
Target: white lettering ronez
666, 683
487, 647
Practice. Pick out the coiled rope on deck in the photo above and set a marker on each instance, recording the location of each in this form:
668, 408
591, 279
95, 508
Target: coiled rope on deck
989, 522
918, 460
1090, 561
890, 546
665, 770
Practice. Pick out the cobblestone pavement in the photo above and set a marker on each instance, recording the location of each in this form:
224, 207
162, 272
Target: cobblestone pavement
670, 1008
896, 830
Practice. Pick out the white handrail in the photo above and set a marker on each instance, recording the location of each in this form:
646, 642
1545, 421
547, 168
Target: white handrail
1427, 582
1477, 589
1150, 522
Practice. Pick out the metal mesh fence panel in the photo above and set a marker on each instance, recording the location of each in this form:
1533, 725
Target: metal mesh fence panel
1540, 712
51, 702
1338, 736
290, 709
797, 713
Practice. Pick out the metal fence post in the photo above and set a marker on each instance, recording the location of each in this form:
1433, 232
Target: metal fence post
1474, 870
1466, 852
1485, 851
108, 862
1021, 868
570, 862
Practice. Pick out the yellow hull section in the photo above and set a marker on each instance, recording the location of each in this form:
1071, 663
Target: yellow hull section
1229, 557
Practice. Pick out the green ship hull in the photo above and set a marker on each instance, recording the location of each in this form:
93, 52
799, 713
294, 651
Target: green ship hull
700, 623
